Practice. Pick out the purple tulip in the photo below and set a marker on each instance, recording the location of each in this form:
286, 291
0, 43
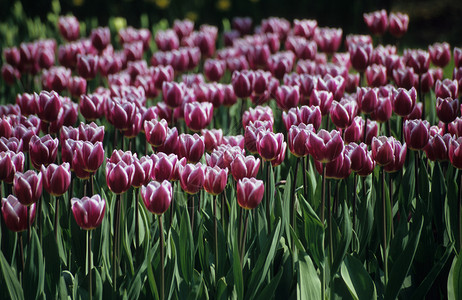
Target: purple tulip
88, 212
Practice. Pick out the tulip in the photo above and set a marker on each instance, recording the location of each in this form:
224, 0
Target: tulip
403, 101
440, 54
244, 167
419, 60
342, 113
215, 180
339, 168
198, 115
438, 147
325, 146
328, 39
142, 171
100, 38
156, 132
214, 69
269, 144
88, 156
87, 66
192, 178
383, 150
56, 179
287, 96
455, 127
27, 187
376, 75
367, 99
416, 112
10, 74
172, 93
88, 212
191, 147
15, 214
377, 21
281, 156
77, 86
28, 103
447, 109
92, 106
43, 151
455, 153
157, 196
398, 24
69, 27
360, 56
10, 163
119, 176
361, 159
416, 133
249, 192
49, 104
242, 83
447, 88
164, 166
399, 157
12, 144
121, 114
405, 78
259, 113
383, 110
297, 137
212, 138
171, 142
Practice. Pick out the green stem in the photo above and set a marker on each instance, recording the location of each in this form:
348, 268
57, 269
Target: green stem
216, 233
292, 196
355, 195
191, 210
459, 212
305, 166
323, 199
56, 216
137, 231
244, 236
329, 225
21, 252
89, 260
161, 229
384, 208
268, 212
416, 175
115, 251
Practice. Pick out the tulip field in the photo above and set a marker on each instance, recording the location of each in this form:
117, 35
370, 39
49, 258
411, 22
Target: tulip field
278, 159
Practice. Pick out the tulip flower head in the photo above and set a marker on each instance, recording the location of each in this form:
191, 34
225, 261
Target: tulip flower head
15, 214
157, 196
88, 212
325, 146
249, 192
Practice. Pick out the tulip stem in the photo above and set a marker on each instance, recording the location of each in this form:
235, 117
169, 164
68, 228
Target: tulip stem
421, 99
355, 195
39, 219
162, 278
329, 224
416, 176
21, 252
223, 207
292, 196
191, 210
28, 223
323, 199
268, 214
115, 250
384, 208
137, 233
246, 222
216, 233
365, 128
305, 166
458, 211
171, 205
56, 216
89, 260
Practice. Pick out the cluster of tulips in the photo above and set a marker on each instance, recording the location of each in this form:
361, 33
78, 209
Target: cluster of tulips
340, 108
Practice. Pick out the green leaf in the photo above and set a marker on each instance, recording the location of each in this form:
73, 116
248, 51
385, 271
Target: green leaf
98, 291
314, 233
308, 285
357, 279
9, 277
237, 272
342, 247
265, 258
34, 275
186, 248
403, 263
270, 288
427, 283
222, 292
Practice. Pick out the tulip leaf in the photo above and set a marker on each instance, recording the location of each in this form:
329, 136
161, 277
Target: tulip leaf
186, 248
34, 275
98, 291
403, 263
357, 279
455, 279
222, 289
13, 286
314, 233
265, 258
342, 246
308, 284
237, 272
450, 211
427, 283
270, 288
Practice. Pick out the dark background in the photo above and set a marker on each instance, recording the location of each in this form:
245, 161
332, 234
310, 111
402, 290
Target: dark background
430, 20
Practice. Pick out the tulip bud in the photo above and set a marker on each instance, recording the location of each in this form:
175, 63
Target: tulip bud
416, 133
100, 38
215, 180
119, 176
325, 146
269, 144
360, 56
447, 109
249, 192
377, 21
27, 187
440, 54
403, 101
212, 138
192, 178
438, 147
242, 83
43, 151
399, 157
15, 214
297, 137
87, 66
92, 106
244, 166
88, 212
398, 24
191, 146
10, 163
164, 166
157, 196
342, 113
197, 115
382, 150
